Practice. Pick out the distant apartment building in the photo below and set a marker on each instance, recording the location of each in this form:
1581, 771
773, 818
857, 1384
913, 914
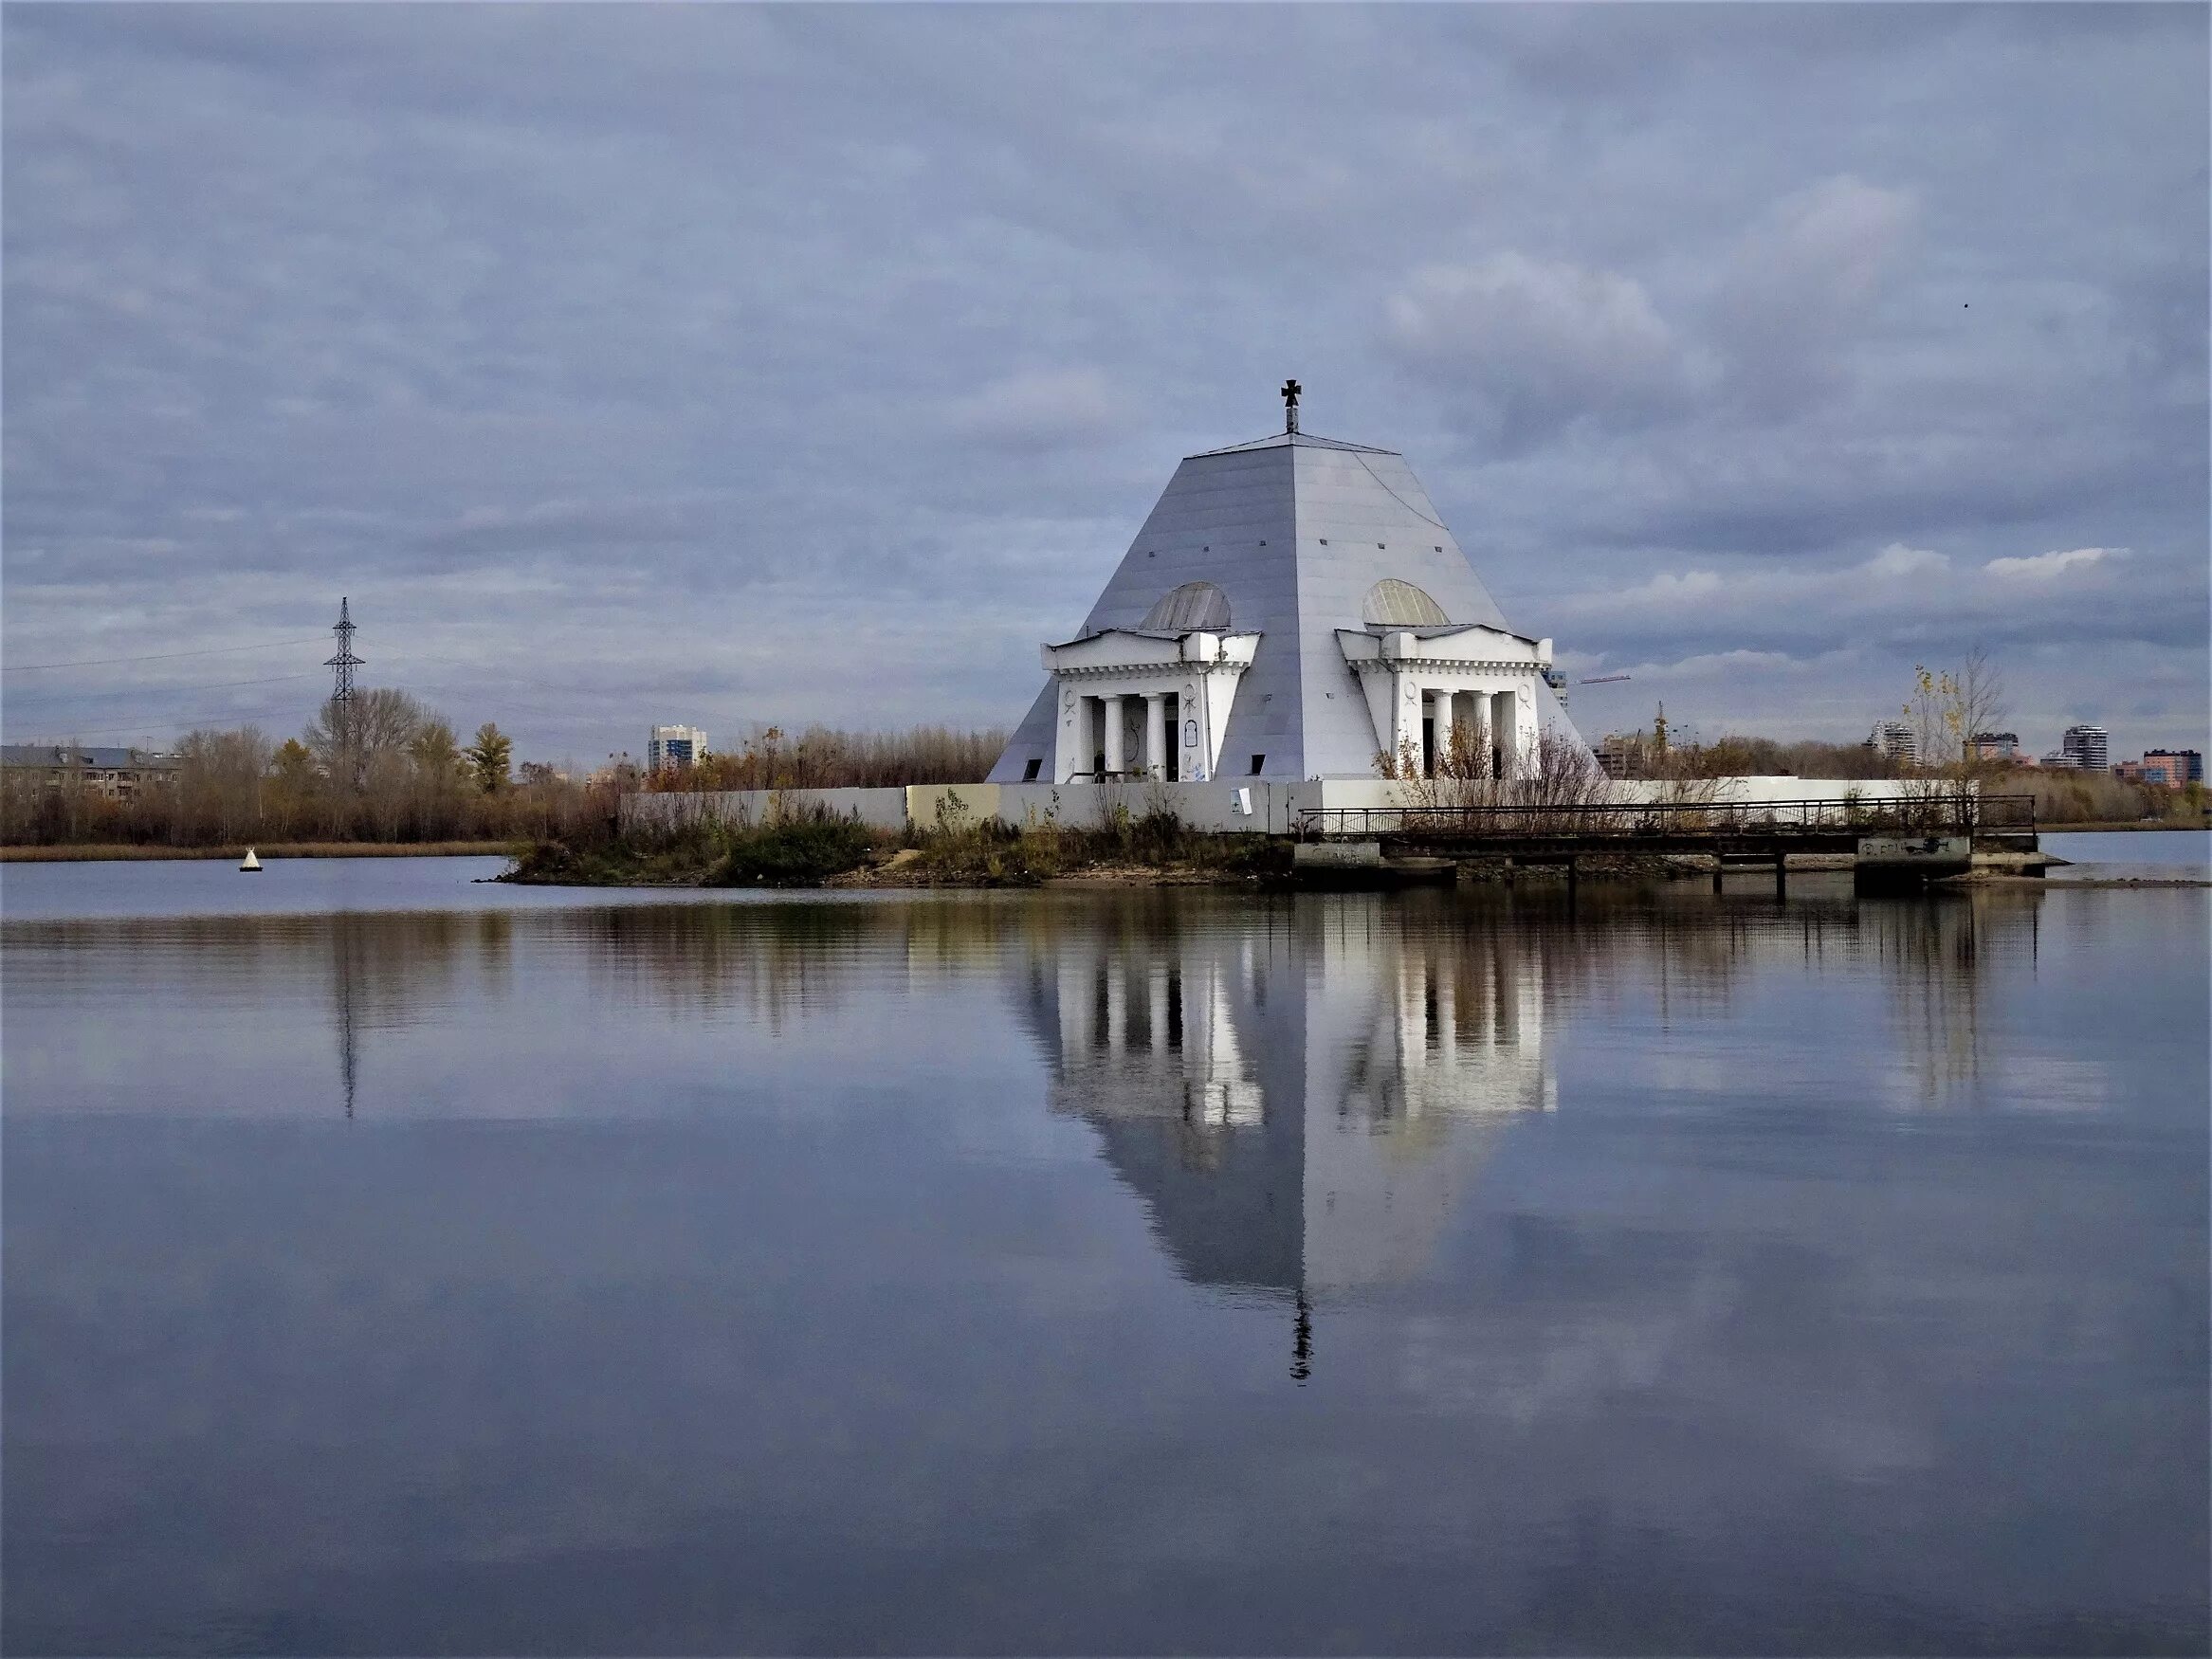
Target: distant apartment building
2086, 748
1893, 741
117, 773
2166, 767
673, 748
2187, 765
1995, 745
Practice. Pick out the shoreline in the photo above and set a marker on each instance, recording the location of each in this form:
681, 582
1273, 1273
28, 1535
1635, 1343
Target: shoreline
120, 851
129, 852
2067, 884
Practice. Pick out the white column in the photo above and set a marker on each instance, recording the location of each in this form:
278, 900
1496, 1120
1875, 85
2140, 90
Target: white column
1442, 722
1156, 734
1074, 1009
1113, 733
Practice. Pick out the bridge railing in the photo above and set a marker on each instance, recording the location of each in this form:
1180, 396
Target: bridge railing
1936, 812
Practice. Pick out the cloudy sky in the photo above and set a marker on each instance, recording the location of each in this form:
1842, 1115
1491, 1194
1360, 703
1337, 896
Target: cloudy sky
726, 364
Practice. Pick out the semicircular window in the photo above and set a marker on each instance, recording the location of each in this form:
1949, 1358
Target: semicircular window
1189, 608
1395, 603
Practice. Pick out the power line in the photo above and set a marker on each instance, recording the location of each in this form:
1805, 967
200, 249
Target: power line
491, 671
134, 690
150, 720
183, 724
154, 656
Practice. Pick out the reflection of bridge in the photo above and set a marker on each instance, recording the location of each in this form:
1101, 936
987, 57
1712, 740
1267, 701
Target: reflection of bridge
1299, 1102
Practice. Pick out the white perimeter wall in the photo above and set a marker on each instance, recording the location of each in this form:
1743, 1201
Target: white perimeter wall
1274, 806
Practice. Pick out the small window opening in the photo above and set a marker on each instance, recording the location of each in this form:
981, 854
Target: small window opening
1258, 761
1028, 773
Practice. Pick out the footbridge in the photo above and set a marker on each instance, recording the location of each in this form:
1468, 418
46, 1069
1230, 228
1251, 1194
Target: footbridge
1910, 839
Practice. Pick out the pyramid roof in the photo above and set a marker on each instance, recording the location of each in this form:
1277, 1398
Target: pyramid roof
1296, 530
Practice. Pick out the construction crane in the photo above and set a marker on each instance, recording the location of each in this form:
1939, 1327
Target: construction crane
1601, 679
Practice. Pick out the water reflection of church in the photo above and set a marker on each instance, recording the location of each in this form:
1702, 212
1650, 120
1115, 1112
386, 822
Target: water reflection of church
1299, 1099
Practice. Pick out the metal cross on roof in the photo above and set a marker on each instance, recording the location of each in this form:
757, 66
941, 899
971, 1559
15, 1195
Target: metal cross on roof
1290, 390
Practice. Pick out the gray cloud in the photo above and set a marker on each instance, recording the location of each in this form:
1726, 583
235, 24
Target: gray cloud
1534, 346
1043, 410
786, 363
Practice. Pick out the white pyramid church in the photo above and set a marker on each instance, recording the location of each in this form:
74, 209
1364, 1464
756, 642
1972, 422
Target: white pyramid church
1293, 608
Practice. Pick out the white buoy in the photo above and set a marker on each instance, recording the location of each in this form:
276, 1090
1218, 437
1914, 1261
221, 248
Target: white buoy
250, 863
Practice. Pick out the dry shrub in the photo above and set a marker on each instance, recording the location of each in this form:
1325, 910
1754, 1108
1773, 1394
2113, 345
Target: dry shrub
822, 758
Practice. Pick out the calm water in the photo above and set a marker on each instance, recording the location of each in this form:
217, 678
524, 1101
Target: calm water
2152, 853
1101, 1272
292, 887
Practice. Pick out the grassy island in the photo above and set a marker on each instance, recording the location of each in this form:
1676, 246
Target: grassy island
823, 850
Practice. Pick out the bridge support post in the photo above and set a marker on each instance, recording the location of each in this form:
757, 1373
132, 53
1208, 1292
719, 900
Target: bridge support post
1717, 868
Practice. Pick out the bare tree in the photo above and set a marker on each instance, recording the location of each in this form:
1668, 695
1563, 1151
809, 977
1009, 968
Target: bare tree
822, 758
437, 752
1947, 709
1981, 706
219, 784
346, 738
1470, 774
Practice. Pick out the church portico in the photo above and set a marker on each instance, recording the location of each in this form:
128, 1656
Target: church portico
1427, 689
1143, 704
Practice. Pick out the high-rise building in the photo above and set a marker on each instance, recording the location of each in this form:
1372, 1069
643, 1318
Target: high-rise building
2088, 747
1995, 745
1893, 741
673, 748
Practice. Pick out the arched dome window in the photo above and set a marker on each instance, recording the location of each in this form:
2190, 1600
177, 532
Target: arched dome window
1395, 603
1188, 609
